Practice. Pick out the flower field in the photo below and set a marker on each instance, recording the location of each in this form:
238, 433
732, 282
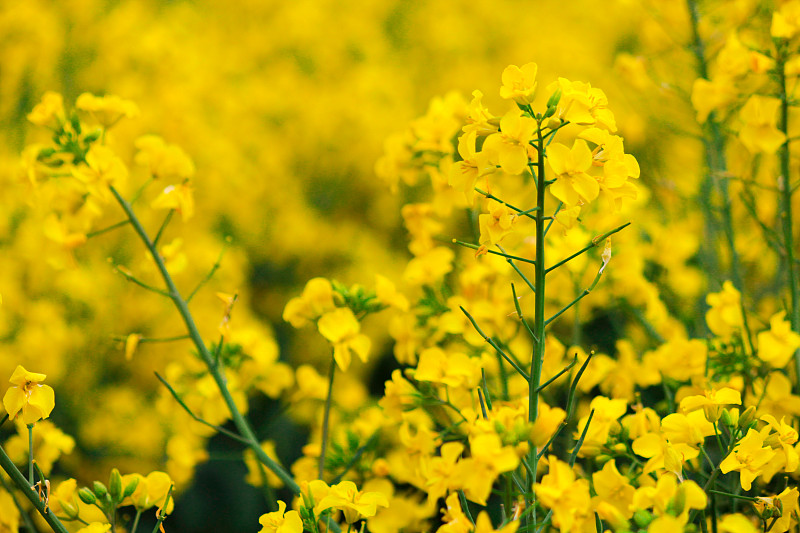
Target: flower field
393, 266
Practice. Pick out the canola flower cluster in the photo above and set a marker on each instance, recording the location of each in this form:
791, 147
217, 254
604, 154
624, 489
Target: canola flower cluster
496, 409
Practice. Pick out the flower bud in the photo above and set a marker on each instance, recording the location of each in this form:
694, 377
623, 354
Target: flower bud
642, 517
554, 98
87, 496
554, 123
725, 418
115, 485
100, 490
747, 417
75, 122
70, 509
130, 487
92, 136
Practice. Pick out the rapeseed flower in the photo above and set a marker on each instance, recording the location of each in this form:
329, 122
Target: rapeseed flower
29, 396
281, 521
342, 329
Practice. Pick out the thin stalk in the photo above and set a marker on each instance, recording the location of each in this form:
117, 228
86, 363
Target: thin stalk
326, 419
596, 241
519, 211
477, 247
786, 204
716, 177
494, 345
538, 322
241, 423
30, 454
136, 520
25, 488
106, 229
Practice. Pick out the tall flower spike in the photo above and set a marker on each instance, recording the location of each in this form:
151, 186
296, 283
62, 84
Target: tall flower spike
28, 395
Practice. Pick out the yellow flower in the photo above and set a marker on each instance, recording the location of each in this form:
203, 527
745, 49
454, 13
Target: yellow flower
387, 293
455, 521
317, 299
165, 161
568, 497
178, 197
479, 119
573, 185
463, 174
519, 83
583, 104
777, 346
737, 523
131, 344
429, 267
453, 369
106, 110
280, 521
151, 490
9, 513
49, 112
786, 502
708, 96
495, 225
748, 457
440, 472
484, 525
671, 497
786, 21
509, 147
725, 316
354, 503
784, 437
711, 401
28, 395
342, 329
613, 488
759, 133
102, 169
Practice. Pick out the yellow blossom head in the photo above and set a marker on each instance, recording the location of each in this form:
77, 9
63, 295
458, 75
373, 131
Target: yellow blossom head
29, 396
519, 83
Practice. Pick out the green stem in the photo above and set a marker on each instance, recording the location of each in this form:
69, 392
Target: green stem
716, 179
326, 419
136, 520
22, 484
30, 454
538, 323
241, 423
786, 205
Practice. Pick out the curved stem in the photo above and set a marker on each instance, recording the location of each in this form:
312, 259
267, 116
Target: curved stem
242, 425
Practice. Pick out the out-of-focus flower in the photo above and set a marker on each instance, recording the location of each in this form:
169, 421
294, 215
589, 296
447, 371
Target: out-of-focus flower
777, 345
106, 110
343, 330
49, 112
178, 197
759, 133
